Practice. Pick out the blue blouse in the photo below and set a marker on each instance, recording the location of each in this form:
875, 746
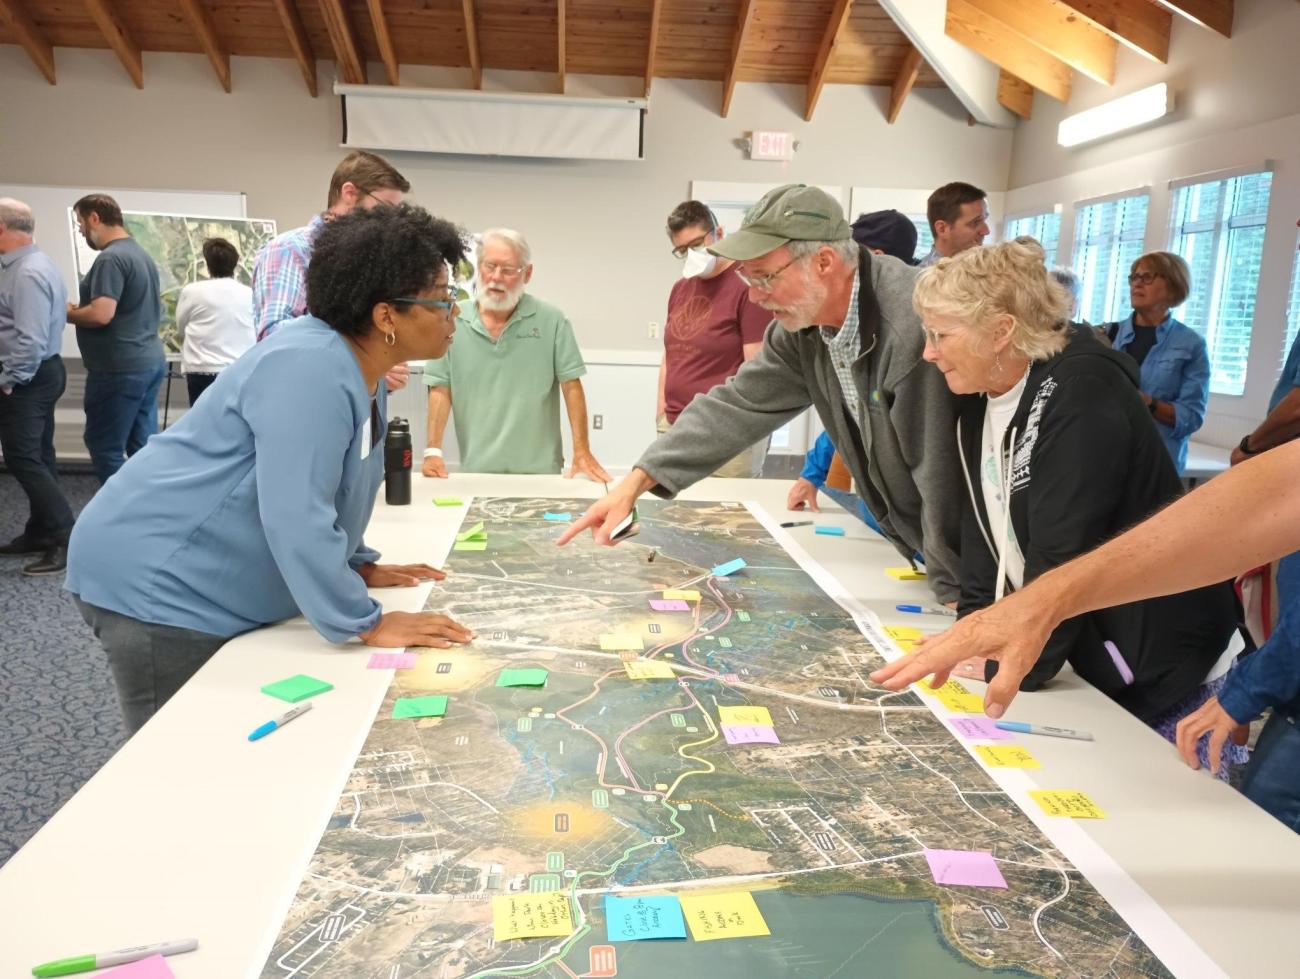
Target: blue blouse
1177, 370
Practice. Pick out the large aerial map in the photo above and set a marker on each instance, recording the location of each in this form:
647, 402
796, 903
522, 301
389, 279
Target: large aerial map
598, 783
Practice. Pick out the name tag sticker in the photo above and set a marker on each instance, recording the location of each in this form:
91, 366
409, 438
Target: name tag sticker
365, 439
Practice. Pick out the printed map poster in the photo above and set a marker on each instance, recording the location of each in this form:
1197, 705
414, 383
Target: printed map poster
175, 243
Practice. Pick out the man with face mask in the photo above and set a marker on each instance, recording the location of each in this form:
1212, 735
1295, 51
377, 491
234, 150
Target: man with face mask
712, 327
850, 345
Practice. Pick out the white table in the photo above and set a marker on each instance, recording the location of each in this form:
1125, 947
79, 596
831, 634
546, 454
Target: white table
189, 831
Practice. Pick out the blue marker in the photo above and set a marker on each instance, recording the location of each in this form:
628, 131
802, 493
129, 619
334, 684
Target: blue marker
927, 610
1019, 727
270, 726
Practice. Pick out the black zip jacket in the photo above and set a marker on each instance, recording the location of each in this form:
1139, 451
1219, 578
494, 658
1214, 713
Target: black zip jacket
1089, 463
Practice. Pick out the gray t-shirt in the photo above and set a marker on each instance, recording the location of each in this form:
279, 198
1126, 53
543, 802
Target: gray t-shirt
125, 272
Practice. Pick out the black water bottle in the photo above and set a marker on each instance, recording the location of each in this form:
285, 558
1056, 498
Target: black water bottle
397, 463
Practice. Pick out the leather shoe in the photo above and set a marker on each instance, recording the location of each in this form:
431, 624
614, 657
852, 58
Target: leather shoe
22, 544
53, 561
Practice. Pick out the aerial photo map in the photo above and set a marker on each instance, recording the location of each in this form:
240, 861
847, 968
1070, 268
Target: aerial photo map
606, 772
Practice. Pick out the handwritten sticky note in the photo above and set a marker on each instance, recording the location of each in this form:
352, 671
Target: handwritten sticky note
905, 574
978, 729
728, 567
964, 868
950, 687
632, 919
470, 545
669, 605
535, 677
558, 517
826, 530
962, 703
684, 594
474, 533
714, 916
749, 734
1006, 756
649, 669
296, 688
392, 661
1067, 802
447, 501
419, 707
154, 967
543, 915
746, 716
904, 633
612, 642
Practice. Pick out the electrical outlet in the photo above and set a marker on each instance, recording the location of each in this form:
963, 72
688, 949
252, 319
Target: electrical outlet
598, 422
654, 331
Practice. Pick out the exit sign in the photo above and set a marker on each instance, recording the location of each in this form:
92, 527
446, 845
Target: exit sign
770, 145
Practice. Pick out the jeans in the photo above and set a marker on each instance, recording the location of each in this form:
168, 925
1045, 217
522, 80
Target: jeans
149, 662
196, 384
121, 414
748, 464
1272, 779
27, 441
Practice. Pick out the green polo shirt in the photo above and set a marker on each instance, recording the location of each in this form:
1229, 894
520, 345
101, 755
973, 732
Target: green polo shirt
505, 393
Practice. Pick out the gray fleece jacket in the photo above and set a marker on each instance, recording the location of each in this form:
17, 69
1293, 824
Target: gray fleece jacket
903, 459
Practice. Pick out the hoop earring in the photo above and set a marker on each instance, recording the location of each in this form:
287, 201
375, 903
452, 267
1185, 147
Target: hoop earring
390, 338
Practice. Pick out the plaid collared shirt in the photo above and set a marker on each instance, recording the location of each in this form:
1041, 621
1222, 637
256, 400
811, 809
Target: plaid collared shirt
843, 347
280, 277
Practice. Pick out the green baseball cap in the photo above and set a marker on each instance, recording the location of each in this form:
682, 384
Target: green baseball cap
794, 212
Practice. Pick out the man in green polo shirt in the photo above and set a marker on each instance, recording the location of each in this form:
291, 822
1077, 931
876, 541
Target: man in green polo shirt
512, 358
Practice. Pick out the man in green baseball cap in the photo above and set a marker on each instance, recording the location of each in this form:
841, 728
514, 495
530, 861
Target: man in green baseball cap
849, 345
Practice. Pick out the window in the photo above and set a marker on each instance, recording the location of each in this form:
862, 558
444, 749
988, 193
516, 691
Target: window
1218, 227
1045, 227
1107, 240
924, 239
1292, 309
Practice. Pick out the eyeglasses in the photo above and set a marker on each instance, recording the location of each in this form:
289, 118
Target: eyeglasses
763, 283
507, 271
936, 339
681, 251
426, 303
1146, 278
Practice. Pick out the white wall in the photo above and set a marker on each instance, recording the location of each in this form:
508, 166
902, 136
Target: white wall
1237, 104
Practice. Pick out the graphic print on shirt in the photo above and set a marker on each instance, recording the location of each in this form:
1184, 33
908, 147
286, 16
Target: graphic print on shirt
1024, 449
687, 320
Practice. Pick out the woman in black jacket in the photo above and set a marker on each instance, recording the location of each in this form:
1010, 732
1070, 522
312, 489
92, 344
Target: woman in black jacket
1059, 421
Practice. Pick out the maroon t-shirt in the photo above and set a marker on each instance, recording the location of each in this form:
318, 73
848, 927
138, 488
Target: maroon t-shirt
709, 320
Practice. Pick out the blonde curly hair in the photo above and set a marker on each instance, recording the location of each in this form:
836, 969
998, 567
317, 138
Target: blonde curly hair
981, 284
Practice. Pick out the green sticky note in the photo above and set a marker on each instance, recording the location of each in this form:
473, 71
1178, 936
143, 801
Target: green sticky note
474, 533
522, 678
297, 688
420, 707
470, 545
447, 501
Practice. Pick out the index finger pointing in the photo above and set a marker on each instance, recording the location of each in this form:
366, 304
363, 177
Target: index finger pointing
588, 519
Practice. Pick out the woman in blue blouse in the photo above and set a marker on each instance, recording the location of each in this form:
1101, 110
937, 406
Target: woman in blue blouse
1171, 356
251, 508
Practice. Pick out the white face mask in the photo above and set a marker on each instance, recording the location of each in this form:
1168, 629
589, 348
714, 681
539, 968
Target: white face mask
699, 264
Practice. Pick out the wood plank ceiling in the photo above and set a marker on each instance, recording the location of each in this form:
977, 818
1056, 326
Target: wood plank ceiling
1037, 44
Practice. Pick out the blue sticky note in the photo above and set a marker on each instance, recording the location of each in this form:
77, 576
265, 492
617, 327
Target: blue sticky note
561, 517
829, 531
631, 919
722, 570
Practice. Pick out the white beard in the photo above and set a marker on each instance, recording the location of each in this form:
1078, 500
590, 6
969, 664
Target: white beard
495, 302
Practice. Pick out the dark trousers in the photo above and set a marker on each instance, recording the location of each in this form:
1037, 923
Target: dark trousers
27, 441
121, 414
197, 384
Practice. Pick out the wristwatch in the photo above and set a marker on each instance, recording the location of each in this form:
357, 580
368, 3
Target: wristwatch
1244, 446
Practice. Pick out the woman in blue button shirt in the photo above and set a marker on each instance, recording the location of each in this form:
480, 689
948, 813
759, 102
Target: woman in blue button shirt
1171, 356
251, 508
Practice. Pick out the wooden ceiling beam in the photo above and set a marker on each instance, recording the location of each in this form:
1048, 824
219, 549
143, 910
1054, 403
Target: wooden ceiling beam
344, 42
560, 38
471, 43
903, 82
1007, 49
1214, 14
298, 41
1014, 94
1059, 32
1139, 24
384, 39
14, 16
830, 37
656, 8
209, 40
747, 8
115, 33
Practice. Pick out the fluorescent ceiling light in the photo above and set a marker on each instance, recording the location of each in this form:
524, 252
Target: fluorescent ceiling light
1143, 106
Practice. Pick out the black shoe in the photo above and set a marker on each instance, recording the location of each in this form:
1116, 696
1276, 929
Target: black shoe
53, 561
22, 544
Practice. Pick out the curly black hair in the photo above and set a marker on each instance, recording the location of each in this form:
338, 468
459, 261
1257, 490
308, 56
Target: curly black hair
370, 256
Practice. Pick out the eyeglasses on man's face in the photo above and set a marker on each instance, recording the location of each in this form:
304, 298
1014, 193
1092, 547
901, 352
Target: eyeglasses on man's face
507, 271
763, 283
681, 251
1146, 278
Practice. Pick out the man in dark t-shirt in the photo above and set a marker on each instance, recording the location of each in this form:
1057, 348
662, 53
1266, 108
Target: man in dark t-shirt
117, 319
712, 327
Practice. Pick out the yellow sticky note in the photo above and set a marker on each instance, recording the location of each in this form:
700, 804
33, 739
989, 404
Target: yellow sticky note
1067, 802
685, 594
962, 703
713, 916
745, 716
1006, 756
905, 574
903, 633
951, 688
614, 641
544, 915
649, 669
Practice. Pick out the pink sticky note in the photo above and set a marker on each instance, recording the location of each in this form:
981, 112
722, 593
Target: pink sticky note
669, 605
154, 967
964, 868
978, 729
745, 734
392, 661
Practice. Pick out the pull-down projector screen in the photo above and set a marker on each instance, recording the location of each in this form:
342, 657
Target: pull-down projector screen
423, 120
